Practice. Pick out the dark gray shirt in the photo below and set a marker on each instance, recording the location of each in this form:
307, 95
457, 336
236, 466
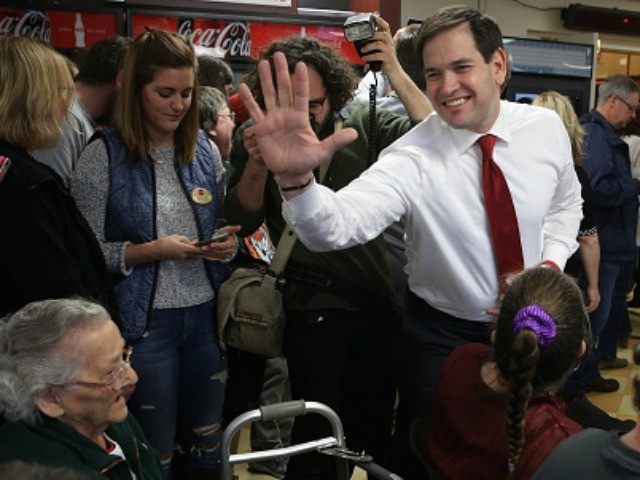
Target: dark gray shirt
591, 455
77, 129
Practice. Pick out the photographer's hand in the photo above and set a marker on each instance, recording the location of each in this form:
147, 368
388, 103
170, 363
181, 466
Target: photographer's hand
287, 143
382, 48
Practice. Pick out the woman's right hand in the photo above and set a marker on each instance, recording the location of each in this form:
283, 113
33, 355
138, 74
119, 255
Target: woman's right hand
175, 247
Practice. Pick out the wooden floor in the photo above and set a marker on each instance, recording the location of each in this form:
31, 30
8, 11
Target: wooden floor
618, 404
241, 470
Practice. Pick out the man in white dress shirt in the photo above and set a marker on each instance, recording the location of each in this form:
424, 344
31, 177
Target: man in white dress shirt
432, 177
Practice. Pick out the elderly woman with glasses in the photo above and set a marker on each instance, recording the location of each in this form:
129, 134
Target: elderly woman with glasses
64, 381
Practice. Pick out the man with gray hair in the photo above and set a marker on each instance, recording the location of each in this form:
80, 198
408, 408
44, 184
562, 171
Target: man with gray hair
615, 198
65, 378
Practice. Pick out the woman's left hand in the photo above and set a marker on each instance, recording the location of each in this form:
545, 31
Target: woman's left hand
222, 251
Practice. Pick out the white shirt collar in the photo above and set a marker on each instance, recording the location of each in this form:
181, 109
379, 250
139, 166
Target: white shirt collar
464, 139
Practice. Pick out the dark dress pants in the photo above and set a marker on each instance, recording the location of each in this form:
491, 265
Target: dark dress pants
428, 337
346, 360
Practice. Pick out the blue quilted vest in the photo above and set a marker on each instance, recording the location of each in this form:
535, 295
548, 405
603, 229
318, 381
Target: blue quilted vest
131, 216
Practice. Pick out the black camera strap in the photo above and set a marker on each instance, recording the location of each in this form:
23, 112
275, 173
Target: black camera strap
371, 134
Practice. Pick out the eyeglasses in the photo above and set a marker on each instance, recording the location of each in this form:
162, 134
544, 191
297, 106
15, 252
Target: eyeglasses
115, 380
231, 116
632, 108
316, 104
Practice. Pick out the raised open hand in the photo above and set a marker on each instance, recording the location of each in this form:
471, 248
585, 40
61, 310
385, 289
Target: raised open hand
287, 143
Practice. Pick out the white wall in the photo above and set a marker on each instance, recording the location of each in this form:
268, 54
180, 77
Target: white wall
516, 20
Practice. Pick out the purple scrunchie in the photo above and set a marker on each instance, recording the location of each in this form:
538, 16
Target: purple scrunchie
533, 317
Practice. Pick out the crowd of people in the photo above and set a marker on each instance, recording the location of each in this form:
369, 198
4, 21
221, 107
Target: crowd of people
424, 298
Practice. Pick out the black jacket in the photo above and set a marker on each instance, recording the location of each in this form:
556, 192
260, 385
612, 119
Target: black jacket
615, 191
51, 442
47, 249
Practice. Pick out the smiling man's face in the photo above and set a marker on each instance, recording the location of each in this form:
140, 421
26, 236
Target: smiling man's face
462, 87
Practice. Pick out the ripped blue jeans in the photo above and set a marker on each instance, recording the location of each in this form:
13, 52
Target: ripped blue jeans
180, 393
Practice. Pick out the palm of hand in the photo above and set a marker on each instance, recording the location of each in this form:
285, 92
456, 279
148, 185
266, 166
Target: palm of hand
288, 144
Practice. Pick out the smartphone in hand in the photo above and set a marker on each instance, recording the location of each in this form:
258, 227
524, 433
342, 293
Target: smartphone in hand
217, 237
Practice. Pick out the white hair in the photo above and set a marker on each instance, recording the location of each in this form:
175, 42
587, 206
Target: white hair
30, 357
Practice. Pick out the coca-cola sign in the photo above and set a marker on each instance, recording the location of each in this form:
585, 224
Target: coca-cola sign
29, 23
239, 38
233, 38
60, 28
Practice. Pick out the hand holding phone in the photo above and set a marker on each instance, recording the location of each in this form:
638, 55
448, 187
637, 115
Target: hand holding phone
217, 237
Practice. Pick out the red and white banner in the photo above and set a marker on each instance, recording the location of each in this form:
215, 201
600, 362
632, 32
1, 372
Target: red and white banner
61, 29
243, 38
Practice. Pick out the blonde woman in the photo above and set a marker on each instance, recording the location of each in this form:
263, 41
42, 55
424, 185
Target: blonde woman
588, 233
47, 250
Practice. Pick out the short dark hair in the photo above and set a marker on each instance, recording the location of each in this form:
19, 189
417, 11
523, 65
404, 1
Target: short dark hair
406, 54
101, 64
336, 72
213, 72
486, 32
211, 101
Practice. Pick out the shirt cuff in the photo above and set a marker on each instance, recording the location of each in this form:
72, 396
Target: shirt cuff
557, 254
303, 207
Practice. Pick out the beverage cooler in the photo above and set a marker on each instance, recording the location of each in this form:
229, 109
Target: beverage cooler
542, 65
69, 26
236, 32
239, 38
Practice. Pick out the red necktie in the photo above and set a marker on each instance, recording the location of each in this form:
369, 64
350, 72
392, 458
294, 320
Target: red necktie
503, 222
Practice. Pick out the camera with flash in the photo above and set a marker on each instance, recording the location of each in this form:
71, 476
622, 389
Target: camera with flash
359, 30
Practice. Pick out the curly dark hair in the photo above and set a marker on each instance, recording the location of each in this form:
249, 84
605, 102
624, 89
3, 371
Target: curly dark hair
527, 368
338, 75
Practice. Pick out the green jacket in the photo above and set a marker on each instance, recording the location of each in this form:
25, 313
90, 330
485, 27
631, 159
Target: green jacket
350, 278
51, 442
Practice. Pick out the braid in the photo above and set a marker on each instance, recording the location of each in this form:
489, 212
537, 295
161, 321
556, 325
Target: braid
535, 299
522, 370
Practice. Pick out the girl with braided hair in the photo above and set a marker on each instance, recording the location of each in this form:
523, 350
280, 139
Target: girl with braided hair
495, 413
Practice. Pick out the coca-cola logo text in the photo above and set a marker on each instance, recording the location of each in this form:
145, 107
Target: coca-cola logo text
234, 38
33, 24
